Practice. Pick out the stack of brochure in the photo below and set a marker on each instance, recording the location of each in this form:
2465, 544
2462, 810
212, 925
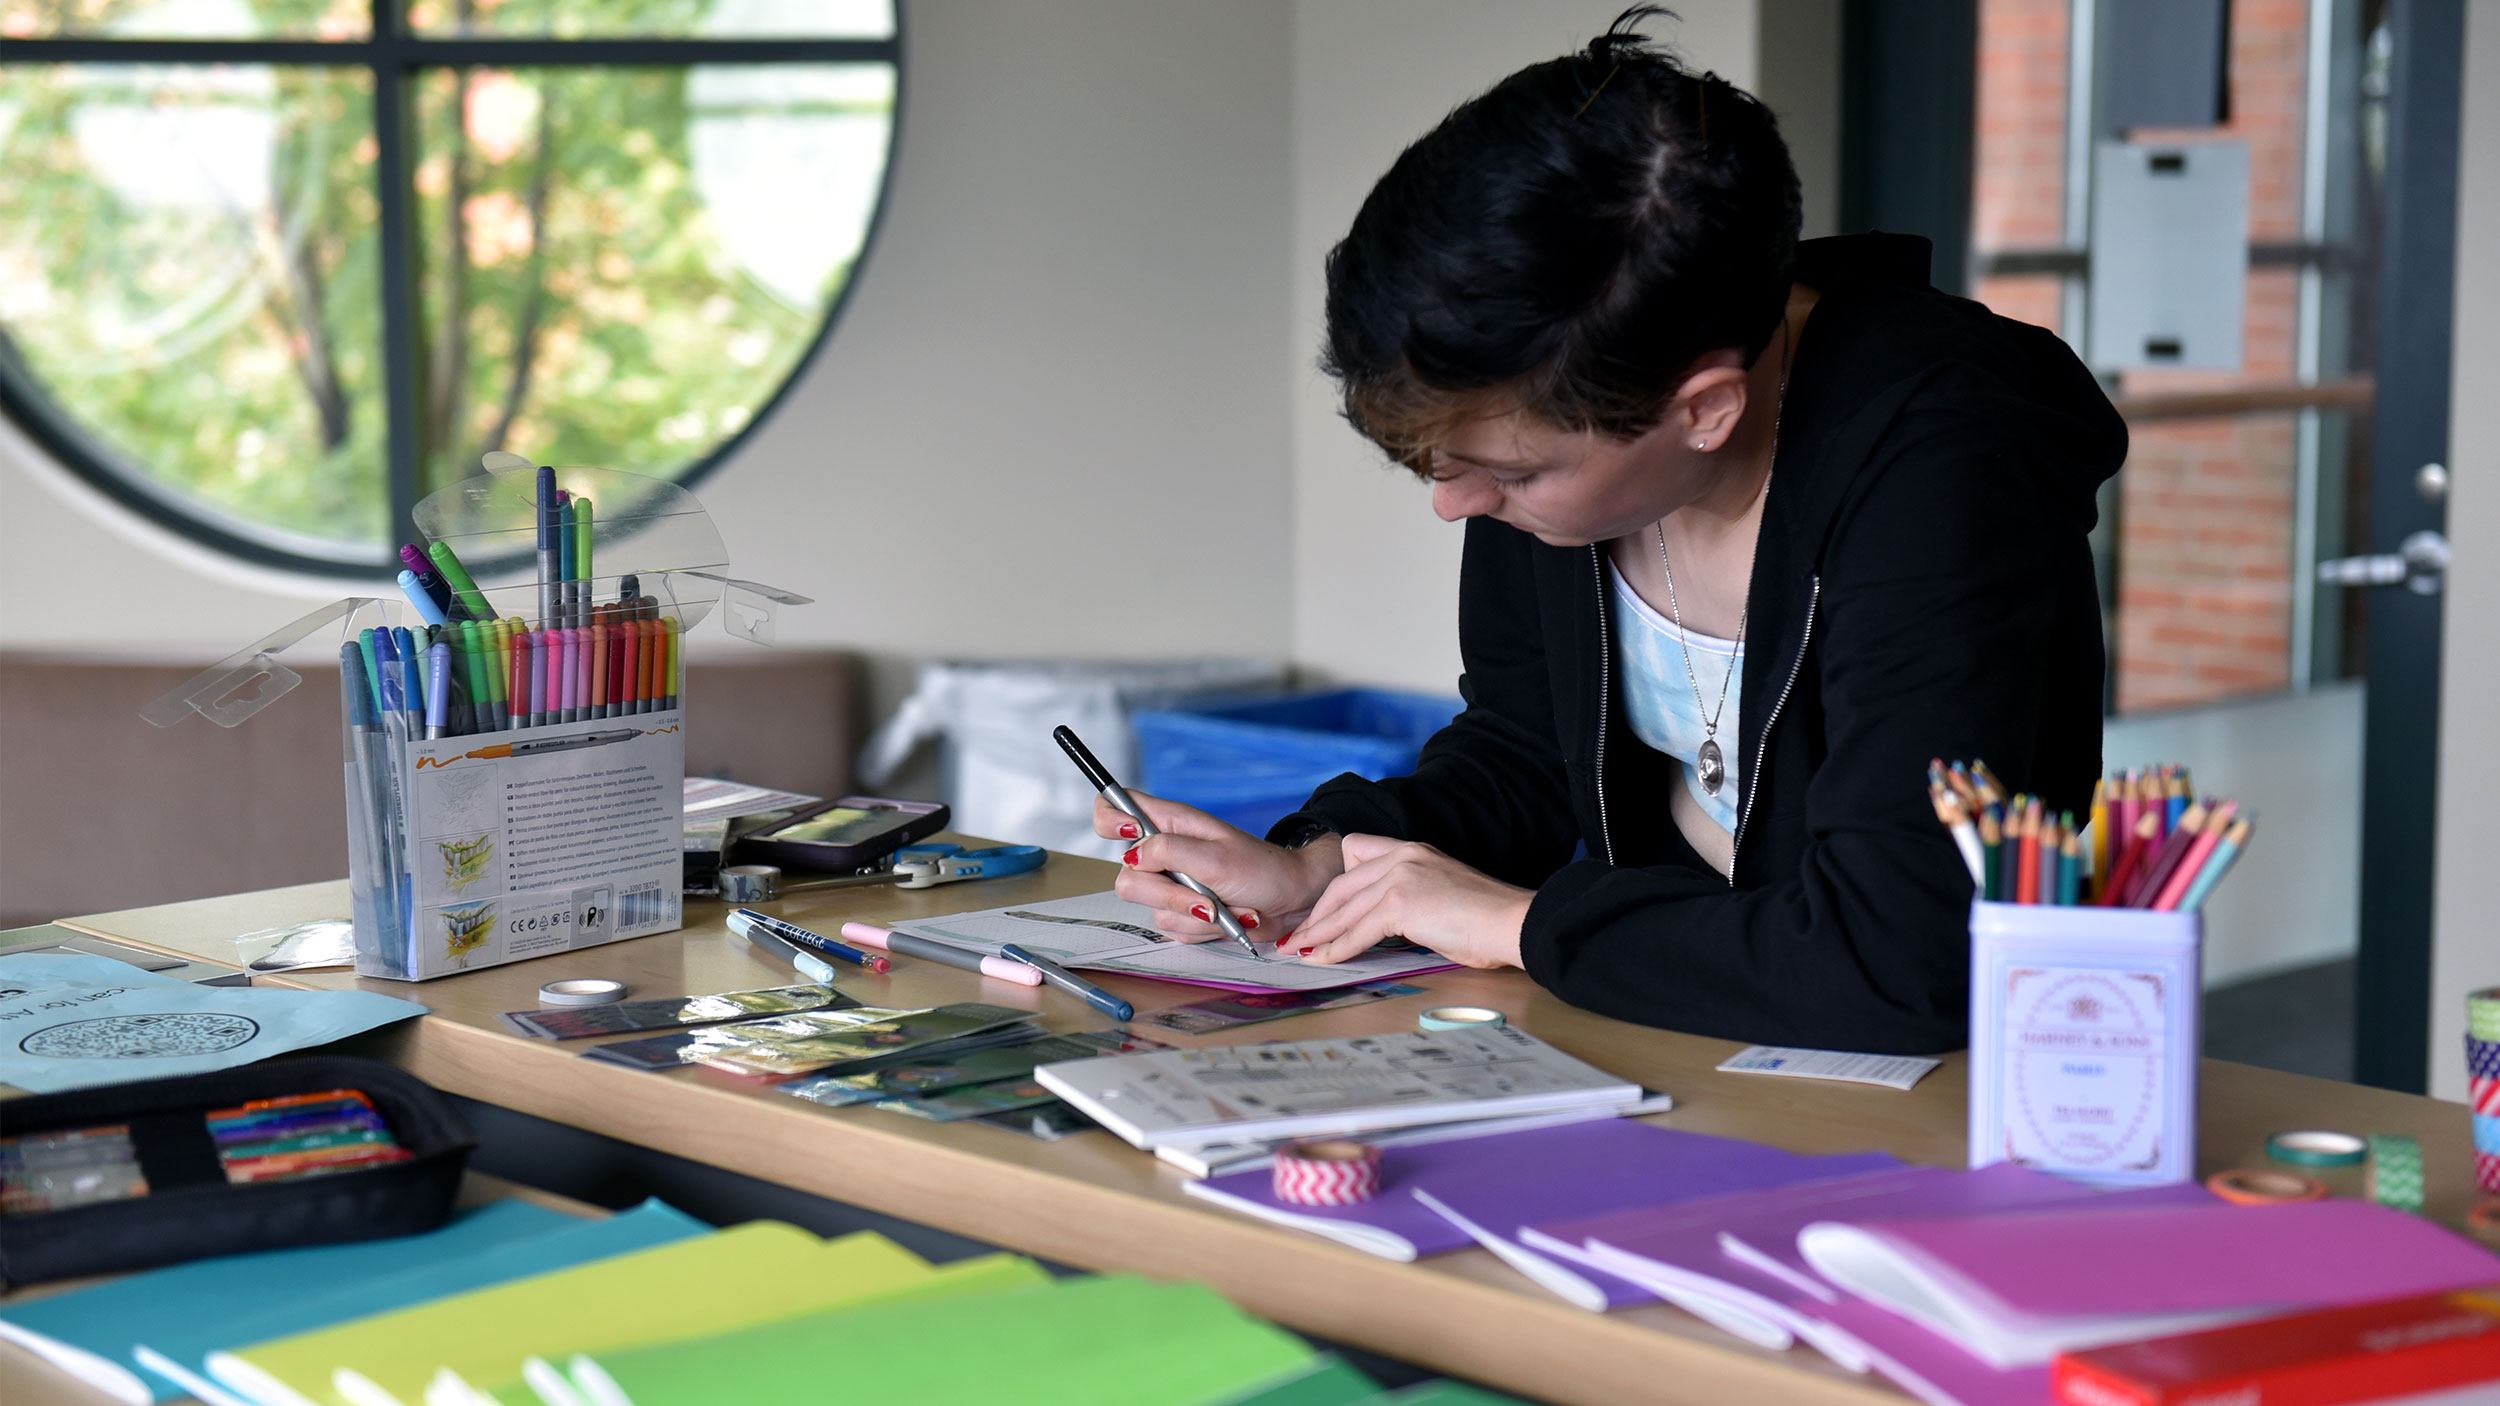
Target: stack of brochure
1306, 1088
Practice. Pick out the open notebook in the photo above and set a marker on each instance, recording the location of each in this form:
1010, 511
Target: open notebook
1101, 933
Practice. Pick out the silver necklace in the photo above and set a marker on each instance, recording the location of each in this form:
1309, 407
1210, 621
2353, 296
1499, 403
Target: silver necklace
1710, 764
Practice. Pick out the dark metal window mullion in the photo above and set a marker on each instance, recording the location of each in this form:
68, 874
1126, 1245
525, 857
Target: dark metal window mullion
394, 174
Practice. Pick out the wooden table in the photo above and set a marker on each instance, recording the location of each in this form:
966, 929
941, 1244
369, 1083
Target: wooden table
1090, 1200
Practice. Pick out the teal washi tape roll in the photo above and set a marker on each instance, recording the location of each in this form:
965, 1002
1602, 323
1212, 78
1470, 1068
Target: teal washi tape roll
1459, 1018
2316, 1147
2396, 1171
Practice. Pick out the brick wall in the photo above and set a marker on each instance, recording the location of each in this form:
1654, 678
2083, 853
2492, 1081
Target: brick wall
2205, 506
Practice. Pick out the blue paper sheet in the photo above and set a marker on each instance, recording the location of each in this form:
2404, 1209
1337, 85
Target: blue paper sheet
187, 1311
73, 1021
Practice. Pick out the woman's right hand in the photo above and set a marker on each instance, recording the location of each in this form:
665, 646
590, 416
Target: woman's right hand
1271, 889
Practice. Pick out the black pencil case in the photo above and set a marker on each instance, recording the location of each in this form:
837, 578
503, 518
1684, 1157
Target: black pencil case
190, 1211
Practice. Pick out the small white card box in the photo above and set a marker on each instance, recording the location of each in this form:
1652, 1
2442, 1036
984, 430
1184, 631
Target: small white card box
2084, 1027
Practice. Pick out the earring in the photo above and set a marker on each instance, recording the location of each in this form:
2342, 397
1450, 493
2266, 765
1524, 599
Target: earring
1701, 444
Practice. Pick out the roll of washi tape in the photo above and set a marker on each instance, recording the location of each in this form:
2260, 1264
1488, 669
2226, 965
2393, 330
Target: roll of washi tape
749, 883
2396, 1171
1459, 1018
2316, 1147
2484, 1094
2486, 1133
2482, 1014
581, 991
1327, 1172
2484, 1219
2487, 1170
2252, 1187
2482, 1058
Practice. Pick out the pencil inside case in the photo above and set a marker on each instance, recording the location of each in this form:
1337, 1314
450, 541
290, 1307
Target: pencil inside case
190, 1205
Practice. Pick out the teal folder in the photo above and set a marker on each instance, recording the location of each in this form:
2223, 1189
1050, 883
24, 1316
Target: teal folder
187, 1311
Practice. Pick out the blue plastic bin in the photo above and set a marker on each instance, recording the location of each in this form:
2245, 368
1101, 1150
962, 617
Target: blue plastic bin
1254, 763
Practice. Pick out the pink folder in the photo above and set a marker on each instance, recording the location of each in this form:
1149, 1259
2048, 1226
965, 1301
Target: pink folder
2086, 1260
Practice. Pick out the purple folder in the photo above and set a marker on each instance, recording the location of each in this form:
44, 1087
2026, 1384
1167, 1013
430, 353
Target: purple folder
1578, 1169
1615, 1171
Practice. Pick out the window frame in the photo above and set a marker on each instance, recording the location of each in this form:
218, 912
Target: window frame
395, 57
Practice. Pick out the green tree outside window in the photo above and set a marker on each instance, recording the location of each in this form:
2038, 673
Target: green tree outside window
623, 226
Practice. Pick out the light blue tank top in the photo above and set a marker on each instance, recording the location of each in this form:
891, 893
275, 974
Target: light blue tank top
1658, 695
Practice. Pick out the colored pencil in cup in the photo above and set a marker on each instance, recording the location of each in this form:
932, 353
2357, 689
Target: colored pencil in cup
2217, 864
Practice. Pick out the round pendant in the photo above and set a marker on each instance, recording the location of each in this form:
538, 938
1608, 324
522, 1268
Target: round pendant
1711, 767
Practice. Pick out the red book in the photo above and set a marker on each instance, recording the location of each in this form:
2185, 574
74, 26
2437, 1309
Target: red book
2367, 1352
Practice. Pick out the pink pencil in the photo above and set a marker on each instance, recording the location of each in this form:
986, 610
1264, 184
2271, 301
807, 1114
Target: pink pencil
2184, 877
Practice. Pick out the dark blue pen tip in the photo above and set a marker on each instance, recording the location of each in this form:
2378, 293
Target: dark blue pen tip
546, 509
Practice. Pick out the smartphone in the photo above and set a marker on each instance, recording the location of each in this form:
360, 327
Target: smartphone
842, 834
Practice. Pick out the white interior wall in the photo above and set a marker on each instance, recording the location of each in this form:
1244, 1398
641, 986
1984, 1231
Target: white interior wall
2465, 942
1375, 575
2295, 760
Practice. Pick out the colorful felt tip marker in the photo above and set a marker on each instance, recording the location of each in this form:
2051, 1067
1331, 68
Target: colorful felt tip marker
1005, 969
1073, 984
814, 942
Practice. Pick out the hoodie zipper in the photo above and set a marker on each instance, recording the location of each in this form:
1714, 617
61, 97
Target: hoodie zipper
1762, 748
1605, 681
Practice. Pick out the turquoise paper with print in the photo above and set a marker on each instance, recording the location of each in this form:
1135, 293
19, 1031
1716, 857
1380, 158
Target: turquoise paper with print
73, 1021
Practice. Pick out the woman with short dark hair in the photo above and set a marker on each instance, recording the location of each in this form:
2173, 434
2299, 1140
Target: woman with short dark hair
1755, 528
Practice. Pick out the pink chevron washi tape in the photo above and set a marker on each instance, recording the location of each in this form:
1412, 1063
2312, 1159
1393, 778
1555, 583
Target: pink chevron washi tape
1327, 1172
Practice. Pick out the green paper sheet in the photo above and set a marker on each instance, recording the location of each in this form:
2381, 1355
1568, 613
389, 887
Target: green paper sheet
1323, 1381
754, 1273
986, 1274
1077, 1342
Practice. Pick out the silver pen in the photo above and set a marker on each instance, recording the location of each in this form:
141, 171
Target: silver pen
1112, 791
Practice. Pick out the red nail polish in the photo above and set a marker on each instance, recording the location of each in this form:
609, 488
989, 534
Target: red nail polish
1128, 856
1248, 920
1128, 830
1199, 912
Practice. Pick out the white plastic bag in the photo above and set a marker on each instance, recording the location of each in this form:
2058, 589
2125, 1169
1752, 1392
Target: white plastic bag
1005, 779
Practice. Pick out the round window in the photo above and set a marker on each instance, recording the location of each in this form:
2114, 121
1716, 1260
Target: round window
269, 276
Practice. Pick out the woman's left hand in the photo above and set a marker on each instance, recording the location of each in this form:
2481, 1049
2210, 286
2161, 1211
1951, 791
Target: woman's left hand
1393, 888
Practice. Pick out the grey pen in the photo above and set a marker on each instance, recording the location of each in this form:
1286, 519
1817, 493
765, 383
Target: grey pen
550, 554
1126, 804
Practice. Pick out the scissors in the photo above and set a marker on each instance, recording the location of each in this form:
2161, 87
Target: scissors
911, 867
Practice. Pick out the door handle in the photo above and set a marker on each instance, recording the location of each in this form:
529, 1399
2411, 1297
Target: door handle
2419, 563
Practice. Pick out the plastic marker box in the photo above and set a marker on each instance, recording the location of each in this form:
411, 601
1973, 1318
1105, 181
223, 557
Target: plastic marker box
2085, 1035
515, 750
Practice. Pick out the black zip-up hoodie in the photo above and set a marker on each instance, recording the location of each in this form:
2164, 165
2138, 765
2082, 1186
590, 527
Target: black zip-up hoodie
1922, 587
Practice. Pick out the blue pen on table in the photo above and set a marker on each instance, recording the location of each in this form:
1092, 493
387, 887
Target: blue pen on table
1071, 983
798, 936
812, 967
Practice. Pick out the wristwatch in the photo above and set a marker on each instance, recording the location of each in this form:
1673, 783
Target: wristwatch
1297, 832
